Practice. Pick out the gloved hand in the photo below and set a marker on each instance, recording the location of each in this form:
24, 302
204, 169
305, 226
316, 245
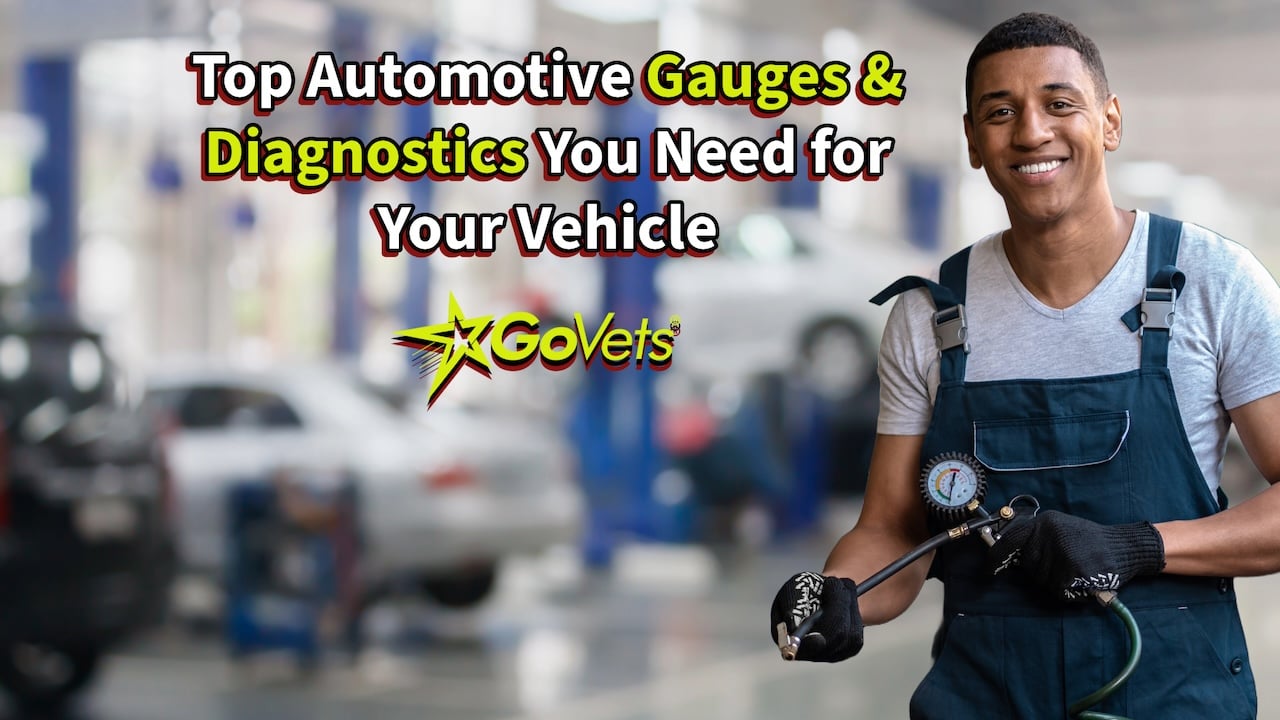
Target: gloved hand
837, 635
1072, 557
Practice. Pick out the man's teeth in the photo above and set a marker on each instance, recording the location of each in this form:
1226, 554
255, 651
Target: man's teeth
1039, 167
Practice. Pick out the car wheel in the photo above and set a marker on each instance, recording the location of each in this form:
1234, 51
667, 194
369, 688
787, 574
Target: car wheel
463, 589
836, 360
44, 677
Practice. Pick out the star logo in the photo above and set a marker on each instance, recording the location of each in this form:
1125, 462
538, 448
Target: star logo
447, 347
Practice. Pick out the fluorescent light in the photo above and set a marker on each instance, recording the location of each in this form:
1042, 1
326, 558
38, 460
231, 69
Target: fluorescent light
614, 11
841, 44
304, 16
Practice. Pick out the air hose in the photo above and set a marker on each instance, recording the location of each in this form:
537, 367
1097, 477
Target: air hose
925, 548
1078, 709
789, 643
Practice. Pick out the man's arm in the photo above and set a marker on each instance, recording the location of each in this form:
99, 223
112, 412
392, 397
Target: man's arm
1245, 539
891, 524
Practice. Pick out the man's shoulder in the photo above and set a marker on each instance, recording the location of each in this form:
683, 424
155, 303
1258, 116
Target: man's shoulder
1203, 247
982, 253
981, 247
1218, 267
982, 262
1202, 239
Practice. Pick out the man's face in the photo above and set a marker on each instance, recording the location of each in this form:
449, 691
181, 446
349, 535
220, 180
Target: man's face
1038, 129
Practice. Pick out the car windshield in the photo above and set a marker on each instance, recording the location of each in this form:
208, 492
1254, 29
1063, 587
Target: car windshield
336, 398
765, 238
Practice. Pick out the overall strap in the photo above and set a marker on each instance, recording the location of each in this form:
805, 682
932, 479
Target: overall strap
955, 275
949, 329
1153, 316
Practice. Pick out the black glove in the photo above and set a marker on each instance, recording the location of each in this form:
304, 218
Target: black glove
837, 634
1072, 557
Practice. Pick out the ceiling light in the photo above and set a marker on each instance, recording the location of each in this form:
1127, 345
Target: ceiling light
614, 11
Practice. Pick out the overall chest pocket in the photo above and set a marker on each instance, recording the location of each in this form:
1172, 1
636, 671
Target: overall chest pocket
1074, 463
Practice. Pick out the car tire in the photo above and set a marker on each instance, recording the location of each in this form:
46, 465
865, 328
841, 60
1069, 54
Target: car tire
836, 360
463, 589
43, 678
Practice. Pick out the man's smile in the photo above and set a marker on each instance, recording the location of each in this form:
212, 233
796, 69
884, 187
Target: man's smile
1039, 167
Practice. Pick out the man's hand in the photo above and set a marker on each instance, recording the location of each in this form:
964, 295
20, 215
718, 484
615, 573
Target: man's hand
1072, 557
837, 634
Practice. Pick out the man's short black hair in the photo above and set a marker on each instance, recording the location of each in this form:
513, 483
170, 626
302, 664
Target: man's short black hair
1030, 30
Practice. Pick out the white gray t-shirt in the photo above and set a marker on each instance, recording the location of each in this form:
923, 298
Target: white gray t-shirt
1224, 347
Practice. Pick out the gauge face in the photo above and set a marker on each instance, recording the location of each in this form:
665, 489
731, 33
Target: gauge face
951, 481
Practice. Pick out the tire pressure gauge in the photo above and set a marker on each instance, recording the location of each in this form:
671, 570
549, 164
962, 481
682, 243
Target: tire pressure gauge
951, 483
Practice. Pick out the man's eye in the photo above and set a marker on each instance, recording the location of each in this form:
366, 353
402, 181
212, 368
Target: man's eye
1000, 112
1059, 105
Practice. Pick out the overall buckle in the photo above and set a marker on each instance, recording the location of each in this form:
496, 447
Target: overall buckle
1156, 310
949, 328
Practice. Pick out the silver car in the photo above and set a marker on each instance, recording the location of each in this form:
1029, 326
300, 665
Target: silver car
440, 502
786, 292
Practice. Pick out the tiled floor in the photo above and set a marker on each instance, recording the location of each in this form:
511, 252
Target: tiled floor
667, 634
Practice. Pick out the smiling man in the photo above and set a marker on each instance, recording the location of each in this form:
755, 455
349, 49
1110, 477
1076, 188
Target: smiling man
1095, 358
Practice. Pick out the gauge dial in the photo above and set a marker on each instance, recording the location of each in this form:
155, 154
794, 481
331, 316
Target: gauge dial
949, 482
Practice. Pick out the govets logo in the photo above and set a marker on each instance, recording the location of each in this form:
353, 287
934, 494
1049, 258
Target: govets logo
447, 347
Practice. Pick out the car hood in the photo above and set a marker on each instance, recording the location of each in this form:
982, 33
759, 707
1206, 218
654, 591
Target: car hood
369, 454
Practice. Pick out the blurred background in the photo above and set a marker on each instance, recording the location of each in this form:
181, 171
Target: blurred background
222, 493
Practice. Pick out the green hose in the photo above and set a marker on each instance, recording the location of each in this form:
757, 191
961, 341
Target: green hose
1078, 708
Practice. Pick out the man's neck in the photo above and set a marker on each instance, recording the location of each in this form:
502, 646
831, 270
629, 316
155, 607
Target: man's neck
1062, 262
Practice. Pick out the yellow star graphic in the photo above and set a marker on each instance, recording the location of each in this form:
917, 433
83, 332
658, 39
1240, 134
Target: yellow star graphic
456, 341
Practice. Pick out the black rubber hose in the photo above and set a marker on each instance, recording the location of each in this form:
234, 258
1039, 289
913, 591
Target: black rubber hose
923, 549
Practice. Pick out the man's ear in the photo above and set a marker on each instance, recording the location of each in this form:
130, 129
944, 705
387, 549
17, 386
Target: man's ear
975, 162
1112, 124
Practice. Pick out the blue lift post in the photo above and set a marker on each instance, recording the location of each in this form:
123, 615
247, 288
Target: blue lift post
48, 93
799, 191
924, 193
349, 38
418, 119
614, 428
806, 419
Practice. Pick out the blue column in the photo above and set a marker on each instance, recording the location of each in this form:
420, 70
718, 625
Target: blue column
349, 40
615, 426
49, 97
418, 121
799, 191
809, 442
924, 207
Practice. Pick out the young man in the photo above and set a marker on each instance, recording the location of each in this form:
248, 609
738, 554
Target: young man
1104, 356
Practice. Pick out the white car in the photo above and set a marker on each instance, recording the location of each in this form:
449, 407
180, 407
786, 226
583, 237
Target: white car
439, 503
783, 292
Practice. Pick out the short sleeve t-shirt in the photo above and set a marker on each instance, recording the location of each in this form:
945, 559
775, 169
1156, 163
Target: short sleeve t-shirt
1224, 346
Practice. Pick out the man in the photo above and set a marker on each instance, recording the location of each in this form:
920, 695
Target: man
1104, 355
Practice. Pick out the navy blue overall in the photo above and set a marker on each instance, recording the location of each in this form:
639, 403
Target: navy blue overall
1109, 448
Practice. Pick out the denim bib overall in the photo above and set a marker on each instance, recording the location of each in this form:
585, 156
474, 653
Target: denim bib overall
1109, 448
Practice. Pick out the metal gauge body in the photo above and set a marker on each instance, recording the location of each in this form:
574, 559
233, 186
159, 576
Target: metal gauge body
950, 482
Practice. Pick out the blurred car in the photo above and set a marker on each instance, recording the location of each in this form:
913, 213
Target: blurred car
1241, 479
86, 553
784, 292
439, 504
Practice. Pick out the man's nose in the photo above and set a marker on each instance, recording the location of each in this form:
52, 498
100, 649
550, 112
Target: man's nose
1032, 129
